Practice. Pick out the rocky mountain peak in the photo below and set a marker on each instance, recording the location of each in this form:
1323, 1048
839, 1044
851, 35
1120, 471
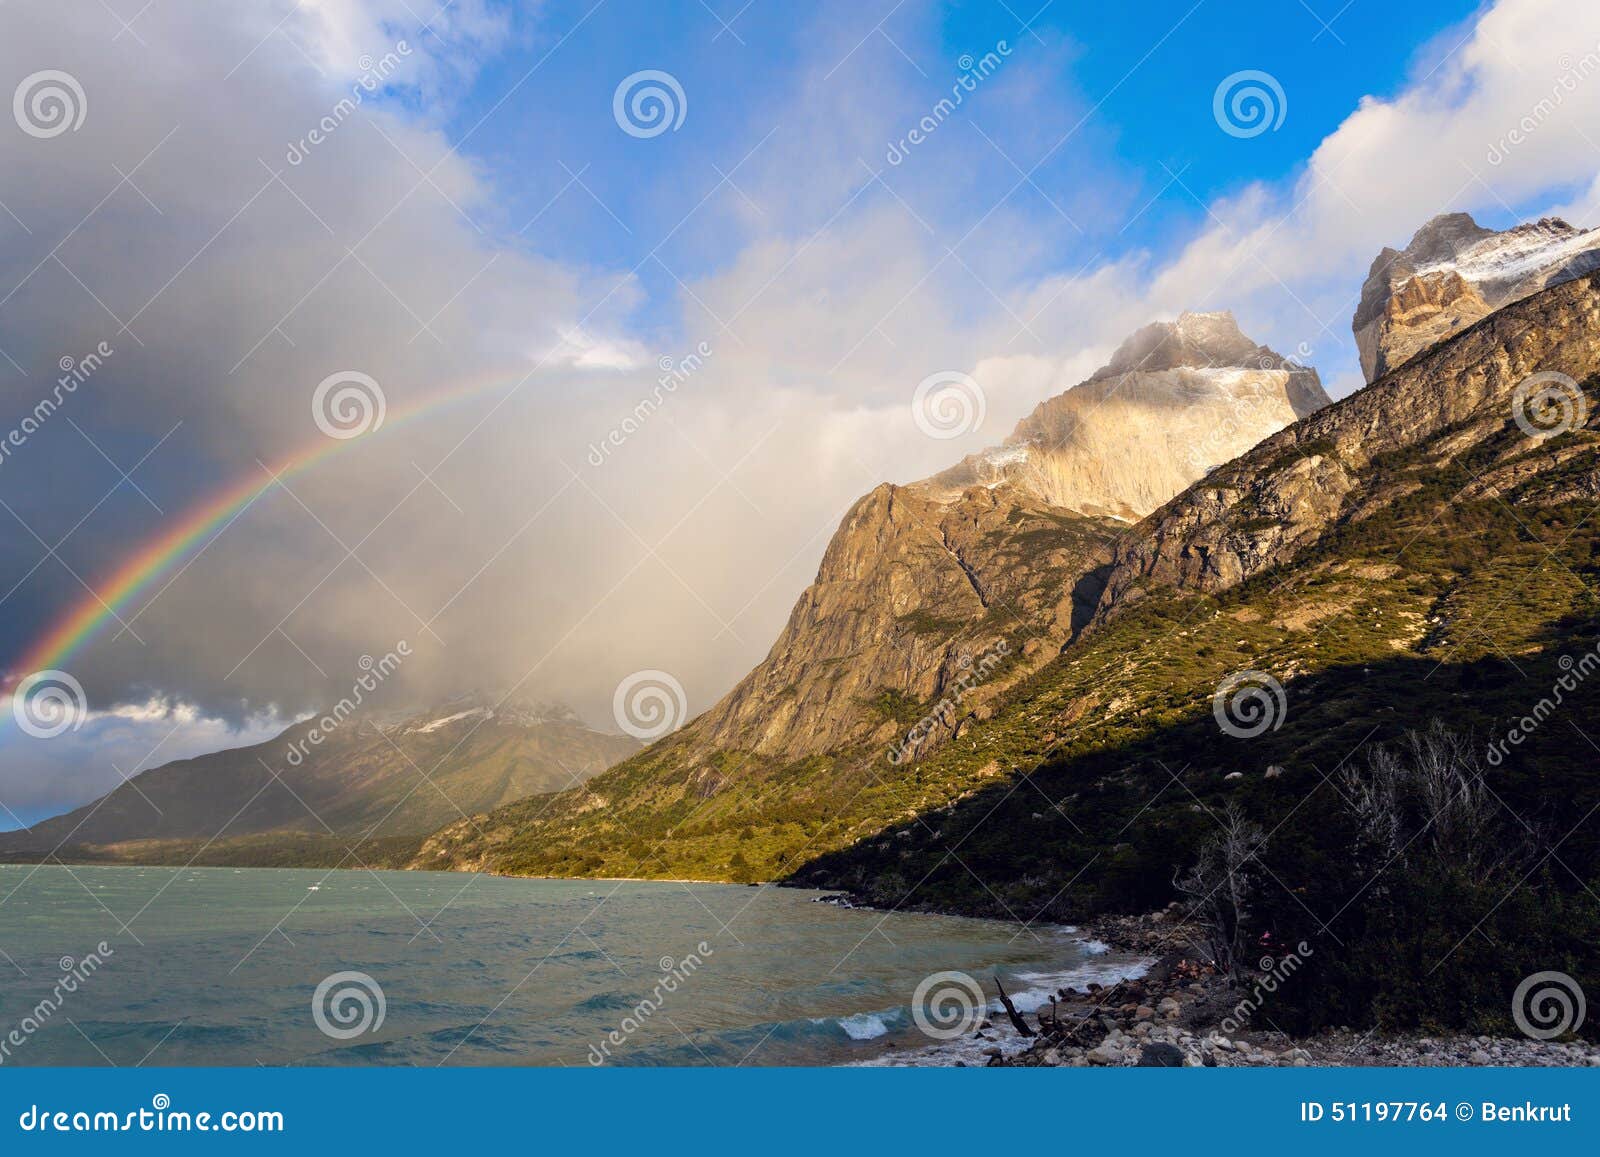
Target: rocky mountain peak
1445, 237
993, 562
1453, 273
1194, 340
1176, 399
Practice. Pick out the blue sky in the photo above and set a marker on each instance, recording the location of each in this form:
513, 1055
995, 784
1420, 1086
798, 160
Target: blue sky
1134, 93
484, 217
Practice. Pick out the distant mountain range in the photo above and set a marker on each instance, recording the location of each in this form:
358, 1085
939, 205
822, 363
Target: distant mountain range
376, 782
1416, 551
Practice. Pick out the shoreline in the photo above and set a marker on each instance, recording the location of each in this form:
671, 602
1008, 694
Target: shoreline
1180, 1013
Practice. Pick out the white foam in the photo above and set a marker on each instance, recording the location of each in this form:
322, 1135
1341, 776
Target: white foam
863, 1026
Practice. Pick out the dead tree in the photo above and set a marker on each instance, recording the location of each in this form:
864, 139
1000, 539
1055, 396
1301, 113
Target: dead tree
1219, 887
1011, 1010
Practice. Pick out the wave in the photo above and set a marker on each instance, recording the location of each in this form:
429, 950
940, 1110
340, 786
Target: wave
864, 1026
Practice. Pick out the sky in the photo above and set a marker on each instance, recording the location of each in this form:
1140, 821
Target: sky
238, 223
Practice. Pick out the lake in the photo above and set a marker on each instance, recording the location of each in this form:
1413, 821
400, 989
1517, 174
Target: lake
217, 966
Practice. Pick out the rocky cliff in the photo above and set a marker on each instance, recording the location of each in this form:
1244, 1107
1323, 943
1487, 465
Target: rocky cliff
1175, 399
1260, 510
998, 556
1453, 273
1416, 551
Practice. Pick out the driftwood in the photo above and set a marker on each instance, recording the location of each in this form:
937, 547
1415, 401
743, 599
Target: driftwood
1011, 1011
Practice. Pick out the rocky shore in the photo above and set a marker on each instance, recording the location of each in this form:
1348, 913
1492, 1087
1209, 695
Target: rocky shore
1181, 1013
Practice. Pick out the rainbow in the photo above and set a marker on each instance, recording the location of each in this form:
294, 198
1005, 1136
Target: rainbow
198, 527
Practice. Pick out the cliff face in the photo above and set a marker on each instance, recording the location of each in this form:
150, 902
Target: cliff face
910, 592
1000, 556
1264, 508
1407, 538
1454, 273
1175, 400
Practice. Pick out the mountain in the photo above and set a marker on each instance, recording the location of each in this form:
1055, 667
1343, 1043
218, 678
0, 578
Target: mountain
1407, 554
934, 598
1175, 400
1454, 273
312, 790
995, 560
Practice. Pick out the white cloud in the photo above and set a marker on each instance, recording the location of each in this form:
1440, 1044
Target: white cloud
686, 549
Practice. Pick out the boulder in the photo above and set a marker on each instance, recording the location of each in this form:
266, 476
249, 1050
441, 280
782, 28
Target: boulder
1159, 1055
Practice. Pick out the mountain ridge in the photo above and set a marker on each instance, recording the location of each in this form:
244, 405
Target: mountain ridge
998, 555
745, 816
1453, 273
374, 775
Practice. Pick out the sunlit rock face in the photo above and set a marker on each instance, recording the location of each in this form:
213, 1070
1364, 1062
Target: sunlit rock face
1454, 273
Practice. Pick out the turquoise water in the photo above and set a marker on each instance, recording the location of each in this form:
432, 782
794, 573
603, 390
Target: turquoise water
219, 966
